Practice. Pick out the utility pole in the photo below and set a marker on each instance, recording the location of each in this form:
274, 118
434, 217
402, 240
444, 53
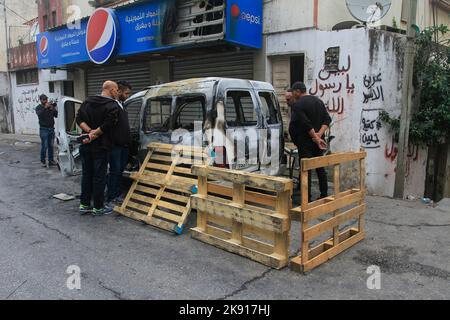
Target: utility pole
407, 92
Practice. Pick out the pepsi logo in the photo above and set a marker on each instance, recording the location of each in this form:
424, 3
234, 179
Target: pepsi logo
101, 35
43, 46
235, 11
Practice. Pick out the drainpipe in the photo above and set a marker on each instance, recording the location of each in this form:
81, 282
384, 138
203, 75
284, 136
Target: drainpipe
316, 14
10, 111
407, 92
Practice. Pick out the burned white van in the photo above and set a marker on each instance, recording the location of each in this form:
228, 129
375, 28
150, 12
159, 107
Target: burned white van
239, 120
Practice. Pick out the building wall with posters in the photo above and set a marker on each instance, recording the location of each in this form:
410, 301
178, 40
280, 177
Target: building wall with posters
368, 80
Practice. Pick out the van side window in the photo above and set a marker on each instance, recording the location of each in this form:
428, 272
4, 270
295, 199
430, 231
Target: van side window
269, 107
70, 111
157, 115
240, 109
190, 110
133, 108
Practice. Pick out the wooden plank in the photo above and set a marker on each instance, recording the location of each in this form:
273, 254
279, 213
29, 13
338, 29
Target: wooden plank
273, 261
239, 200
315, 231
282, 240
137, 206
252, 179
250, 196
202, 215
340, 203
147, 190
157, 166
146, 200
337, 190
158, 157
246, 241
175, 197
166, 215
331, 253
170, 206
305, 201
331, 160
275, 222
362, 171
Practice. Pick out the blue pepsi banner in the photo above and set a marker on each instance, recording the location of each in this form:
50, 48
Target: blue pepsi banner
138, 29
245, 22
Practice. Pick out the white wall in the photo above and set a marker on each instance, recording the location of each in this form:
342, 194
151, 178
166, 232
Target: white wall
25, 98
26, 9
363, 54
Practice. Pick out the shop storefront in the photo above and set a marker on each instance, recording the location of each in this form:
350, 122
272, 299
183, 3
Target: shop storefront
158, 41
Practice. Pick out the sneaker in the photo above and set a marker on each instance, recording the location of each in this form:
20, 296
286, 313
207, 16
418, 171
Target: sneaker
85, 209
52, 163
102, 212
44, 164
119, 200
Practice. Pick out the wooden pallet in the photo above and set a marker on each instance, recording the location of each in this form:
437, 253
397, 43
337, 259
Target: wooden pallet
243, 213
353, 201
160, 194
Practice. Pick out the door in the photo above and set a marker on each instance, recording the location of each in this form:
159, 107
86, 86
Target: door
68, 132
242, 122
272, 144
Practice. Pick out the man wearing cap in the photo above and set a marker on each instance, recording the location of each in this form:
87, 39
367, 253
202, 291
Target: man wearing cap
309, 122
46, 113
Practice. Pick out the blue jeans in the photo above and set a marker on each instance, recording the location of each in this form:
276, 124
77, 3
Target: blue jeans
47, 139
118, 160
93, 181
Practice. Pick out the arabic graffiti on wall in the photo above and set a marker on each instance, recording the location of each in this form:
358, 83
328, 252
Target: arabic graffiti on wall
374, 87
334, 87
391, 153
27, 101
371, 126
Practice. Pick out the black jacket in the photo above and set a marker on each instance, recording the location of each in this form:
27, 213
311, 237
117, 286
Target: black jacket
46, 116
309, 112
122, 132
100, 112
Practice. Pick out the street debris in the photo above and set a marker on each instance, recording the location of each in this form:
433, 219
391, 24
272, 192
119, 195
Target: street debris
63, 197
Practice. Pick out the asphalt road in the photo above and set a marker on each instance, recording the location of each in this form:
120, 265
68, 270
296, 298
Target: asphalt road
40, 237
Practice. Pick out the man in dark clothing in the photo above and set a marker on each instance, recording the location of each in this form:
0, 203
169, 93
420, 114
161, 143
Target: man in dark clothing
309, 121
97, 118
118, 157
47, 113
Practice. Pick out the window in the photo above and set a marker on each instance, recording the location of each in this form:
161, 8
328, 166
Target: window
54, 22
70, 111
239, 109
157, 114
269, 107
45, 19
51, 87
133, 108
27, 77
189, 110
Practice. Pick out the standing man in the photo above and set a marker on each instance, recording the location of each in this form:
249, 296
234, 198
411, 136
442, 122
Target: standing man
309, 121
118, 158
47, 113
97, 118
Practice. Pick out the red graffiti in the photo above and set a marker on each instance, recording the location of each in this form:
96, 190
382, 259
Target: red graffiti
392, 152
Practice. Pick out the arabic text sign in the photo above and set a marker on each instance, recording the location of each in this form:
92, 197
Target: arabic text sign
139, 31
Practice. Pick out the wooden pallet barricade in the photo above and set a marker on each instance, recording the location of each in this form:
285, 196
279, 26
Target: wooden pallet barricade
244, 213
352, 201
160, 194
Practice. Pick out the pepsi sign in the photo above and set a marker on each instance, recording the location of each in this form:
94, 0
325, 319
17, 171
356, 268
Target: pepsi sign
245, 23
102, 35
43, 46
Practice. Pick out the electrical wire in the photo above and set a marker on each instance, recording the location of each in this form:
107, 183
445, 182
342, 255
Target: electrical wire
11, 10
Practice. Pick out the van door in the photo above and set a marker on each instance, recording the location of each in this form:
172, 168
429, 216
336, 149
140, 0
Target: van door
68, 132
242, 119
272, 152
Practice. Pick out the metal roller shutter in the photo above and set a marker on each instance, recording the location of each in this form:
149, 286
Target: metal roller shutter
228, 65
138, 75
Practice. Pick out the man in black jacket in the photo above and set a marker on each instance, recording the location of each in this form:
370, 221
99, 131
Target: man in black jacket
97, 118
47, 113
118, 157
309, 122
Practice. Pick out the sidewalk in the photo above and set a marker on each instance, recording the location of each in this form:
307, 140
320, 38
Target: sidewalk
20, 138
